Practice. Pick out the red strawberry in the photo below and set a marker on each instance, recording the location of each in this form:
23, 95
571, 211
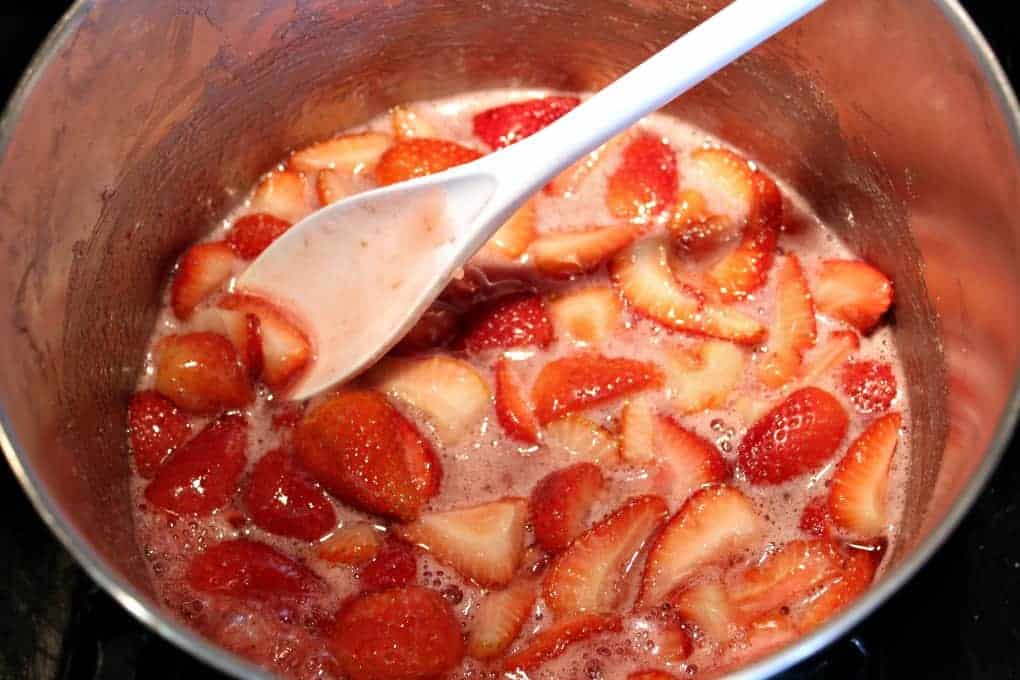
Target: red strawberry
498, 619
155, 429
437, 326
857, 574
396, 634
853, 291
815, 519
793, 331
417, 157
253, 233
512, 408
247, 569
560, 504
287, 416
578, 382
203, 270
517, 233
201, 373
797, 436
784, 577
283, 194
335, 185
589, 575
857, 494
364, 452
651, 675
504, 125
831, 353
870, 385
587, 315
281, 499
394, 565
285, 348
514, 320
562, 254
637, 431
203, 473
688, 461
347, 153
645, 182
554, 640
707, 604
351, 544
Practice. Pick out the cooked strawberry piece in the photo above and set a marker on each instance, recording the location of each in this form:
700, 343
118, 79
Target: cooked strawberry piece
560, 504
351, 544
395, 564
694, 229
515, 320
728, 173
589, 575
859, 485
815, 519
651, 675
437, 327
829, 354
562, 254
201, 373
517, 233
286, 416
704, 377
364, 452
248, 569
285, 348
687, 460
155, 429
785, 577
406, 122
405, 633
711, 527
870, 385
335, 185
569, 182
203, 473
553, 641
484, 543
410, 158
347, 153
637, 431
512, 409
669, 641
504, 125
498, 619
857, 574
253, 233
645, 183
793, 332
583, 440
588, 315
707, 604
203, 270
283, 195
281, 499
761, 637
581, 381
796, 437
853, 291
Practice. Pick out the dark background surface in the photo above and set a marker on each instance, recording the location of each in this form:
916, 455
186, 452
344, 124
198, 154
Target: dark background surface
958, 618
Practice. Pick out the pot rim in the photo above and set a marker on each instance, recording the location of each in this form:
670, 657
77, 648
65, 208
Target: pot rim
148, 612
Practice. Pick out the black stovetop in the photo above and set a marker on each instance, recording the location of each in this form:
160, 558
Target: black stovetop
958, 618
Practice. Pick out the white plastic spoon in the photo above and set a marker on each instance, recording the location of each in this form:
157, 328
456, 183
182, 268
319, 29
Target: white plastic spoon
360, 272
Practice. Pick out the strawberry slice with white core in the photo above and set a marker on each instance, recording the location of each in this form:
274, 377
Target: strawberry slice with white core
562, 254
582, 381
352, 544
589, 576
335, 185
286, 350
203, 270
793, 330
553, 641
449, 391
637, 431
587, 315
785, 577
516, 235
560, 504
498, 617
852, 291
242, 329
859, 486
283, 194
830, 354
707, 604
703, 377
857, 574
569, 182
512, 408
350, 153
484, 543
584, 440
712, 526
407, 123
728, 174
687, 461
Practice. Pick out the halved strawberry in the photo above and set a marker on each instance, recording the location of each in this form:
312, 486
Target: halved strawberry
783, 578
437, 326
870, 385
583, 440
283, 194
581, 381
484, 542
255, 232
396, 634
711, 527
553, 641
417, 157
498, 618
203, 473
368, 455
588, 315
857, 574
703, 377
406, 122
815, 518
832, 352
589, 575
798, 436
707, 604
560, 504
393, 565
335, 185
515, 320
155, 429
569, 182
853, 291
793, 331
248, 569
504, 125
687, 461
202, 271
449, 391
281, 499
286, 349
562, 254
644, 184
517, 233
201, 373
351, 544
637, 431
512, 409
857, 493
351, 153
728, 173
240, 328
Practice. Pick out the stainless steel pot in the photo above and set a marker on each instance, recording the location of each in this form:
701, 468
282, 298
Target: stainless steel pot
139, 122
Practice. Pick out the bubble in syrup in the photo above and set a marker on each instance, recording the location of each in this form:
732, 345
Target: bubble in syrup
717, 424
452, 594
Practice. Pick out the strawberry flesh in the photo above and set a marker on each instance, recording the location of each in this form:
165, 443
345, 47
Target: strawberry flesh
510, 123
252, 570
253, 233
560, 504
201, 373
155, 428
512, 409
870, 385
410, 158
645, 183
395, 565
282, 500
515, 320
553, 641
581, 381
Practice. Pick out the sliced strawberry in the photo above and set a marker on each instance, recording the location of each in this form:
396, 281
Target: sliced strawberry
410, 158
590, 574
201, 373
202, 271
687, 460
694, 229
515, 320
351, 544
553, 641
155, 429
203, 473
853, 291
584, 440
703, 377
581, 381
517, 233
637, 431
283, 194
761, 637
484, 543
588, 315
727, 173
870, 385
453, 395
707, 604
436, 328
569, 182
644, 184
829, 354
286, 349
248, 569
396, 634
651, 675
406, 122
286, 416
349, 153
504, 125
857, 574
560, 504
255, 232
281, 499
784, 577
365, 453
241, 329
793, 332
512, 409
711, 527
857, 494
815, 519
798, 436
498, 619
395, 564
562, 254
335, 185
